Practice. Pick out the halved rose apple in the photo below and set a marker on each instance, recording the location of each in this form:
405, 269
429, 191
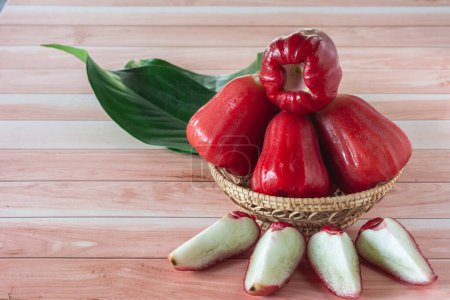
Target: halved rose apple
387, 244
333, 257
233, 234
274, 260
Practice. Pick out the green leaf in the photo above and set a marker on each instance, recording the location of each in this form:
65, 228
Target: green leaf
77, 52
212, 82
153, 99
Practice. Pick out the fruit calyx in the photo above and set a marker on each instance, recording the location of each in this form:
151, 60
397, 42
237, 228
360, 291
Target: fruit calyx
237, 214
372, 224
276, 226
332, 230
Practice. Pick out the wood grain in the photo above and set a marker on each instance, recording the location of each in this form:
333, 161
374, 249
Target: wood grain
414, 109
81, 107
231, 2
164, 199
211, 16
117, 199
85, 107
160, 165
67, 135
155, 279
211, 36
216, 58
386, 81
153, 237
108, 135
86, 213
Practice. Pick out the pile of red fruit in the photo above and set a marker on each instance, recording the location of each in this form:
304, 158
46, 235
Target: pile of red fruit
333, 256
291, 131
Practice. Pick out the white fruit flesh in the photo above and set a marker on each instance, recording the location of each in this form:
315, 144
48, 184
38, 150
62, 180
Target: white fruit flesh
227, 237
274, 259
335, 259
391, 248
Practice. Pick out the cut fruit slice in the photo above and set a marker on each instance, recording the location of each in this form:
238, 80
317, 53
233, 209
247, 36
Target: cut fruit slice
233, 234
387, 244
274, 260
333, 257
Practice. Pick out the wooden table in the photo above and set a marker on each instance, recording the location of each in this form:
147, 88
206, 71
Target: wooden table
87, 212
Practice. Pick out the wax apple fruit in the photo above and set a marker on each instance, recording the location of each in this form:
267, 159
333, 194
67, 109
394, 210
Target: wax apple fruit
233, 234
301, 72
333, 257
387, 244
228, 131
276, 256
291, 163
361, 146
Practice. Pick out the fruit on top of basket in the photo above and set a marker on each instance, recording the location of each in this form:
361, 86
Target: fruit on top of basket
291, 163
274, 260
361, 146
301, 72
387, 244
233, 234
334, 259
228, 131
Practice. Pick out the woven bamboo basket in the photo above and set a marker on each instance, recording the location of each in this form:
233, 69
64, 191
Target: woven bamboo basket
307, 214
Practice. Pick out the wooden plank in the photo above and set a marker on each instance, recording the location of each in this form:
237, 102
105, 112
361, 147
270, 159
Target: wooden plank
176, 36
153, 237
216, 16
85, 107
51, 107
50, 81
414, 200
118, 199
417, 107
62, 210
230, 2
108, 135
427, 166
67, 135
160, 165
352, 58
163, 199
424, 134
35, 57
155, 279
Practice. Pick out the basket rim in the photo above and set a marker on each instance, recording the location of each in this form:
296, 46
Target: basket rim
218, 175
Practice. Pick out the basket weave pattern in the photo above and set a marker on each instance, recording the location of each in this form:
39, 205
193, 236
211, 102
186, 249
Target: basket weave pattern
307, 214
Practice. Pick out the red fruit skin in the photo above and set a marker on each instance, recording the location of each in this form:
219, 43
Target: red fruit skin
373, 224
237, 214
333, 230
291, 163
321, 73
361, 146
377, 224
278, 226
228, 131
